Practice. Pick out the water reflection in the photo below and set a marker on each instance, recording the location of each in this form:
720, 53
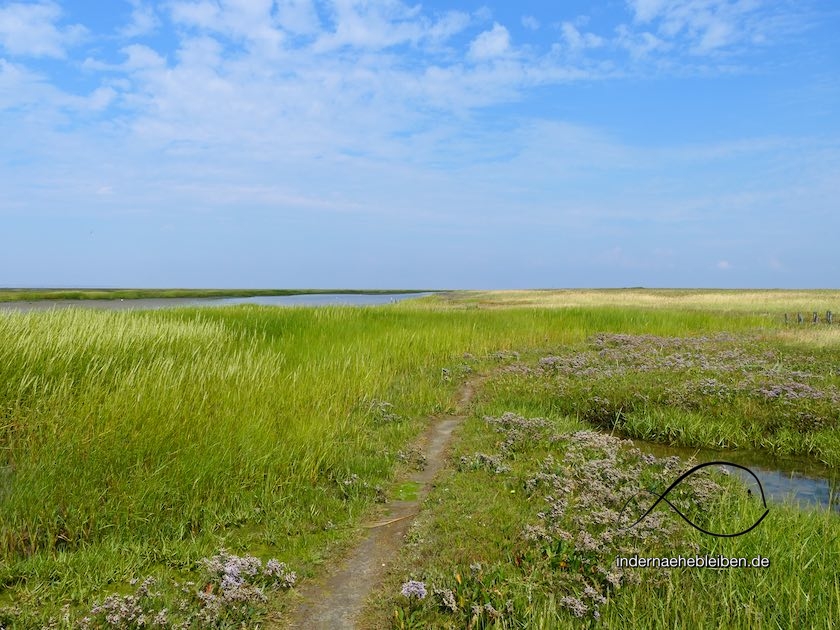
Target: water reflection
797, 480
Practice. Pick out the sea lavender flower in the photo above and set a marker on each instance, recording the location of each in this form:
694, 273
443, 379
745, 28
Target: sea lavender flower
231, 581
413, 589
161, 618
575, 606
614, 578
250, 565
446, 599
491, 611
280, 572
595, 596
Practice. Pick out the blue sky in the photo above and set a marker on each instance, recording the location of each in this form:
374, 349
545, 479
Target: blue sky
292, 143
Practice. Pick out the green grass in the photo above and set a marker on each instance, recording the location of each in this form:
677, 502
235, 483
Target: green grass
470, 540
754, 392
29, 295
406, 491
801, 587
136, 443
713, 392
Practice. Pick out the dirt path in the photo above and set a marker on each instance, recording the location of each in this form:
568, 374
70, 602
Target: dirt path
335, 602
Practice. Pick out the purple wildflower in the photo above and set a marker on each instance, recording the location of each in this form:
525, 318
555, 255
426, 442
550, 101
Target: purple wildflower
413, 589
575, 606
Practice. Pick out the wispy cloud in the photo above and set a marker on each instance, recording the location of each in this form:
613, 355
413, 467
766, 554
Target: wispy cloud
33, 30
298, 17
705, 26
530, 22
490, 44
576, 40
391, 113
144, 20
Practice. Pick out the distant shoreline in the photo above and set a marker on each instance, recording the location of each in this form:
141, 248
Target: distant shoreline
38, 295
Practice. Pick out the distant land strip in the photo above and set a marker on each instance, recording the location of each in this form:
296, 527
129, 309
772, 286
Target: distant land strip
32, 295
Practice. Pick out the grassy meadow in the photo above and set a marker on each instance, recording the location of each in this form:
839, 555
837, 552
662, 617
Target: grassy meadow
524, 530
204, 448
764, 301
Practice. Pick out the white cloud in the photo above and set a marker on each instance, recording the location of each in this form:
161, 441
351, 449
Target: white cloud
381, 25
646, 10
45, 103
30, 30
363, 100
368, 27
140, 57
343, 86
450, 24
19, 86
144, 20
100, 98
202, 14
639, 45
490, 44
250, 21
705, 26
530, 22
718, 34
723, 265
576, 40
298, 16
483, 13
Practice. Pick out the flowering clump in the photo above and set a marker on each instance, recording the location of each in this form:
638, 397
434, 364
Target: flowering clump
587, 491
584, 526
574, 605
352, 486
233, 590
480, 461
280, 573
413, 590
242, 579
446, 599
790, 390
138, 610
486, 609
517, 430
505, 355
579, 532
716, 358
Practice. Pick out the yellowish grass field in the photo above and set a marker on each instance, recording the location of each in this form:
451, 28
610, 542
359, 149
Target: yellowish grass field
755, 301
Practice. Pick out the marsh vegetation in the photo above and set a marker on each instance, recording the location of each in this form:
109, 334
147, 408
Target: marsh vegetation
526, 529
151, 444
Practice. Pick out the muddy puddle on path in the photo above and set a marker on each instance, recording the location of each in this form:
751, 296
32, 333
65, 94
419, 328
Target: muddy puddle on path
335, 602
804, 482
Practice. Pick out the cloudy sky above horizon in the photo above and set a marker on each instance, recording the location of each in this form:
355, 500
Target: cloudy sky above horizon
301, 143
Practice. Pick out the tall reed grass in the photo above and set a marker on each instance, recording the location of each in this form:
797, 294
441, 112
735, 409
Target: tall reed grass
132, 441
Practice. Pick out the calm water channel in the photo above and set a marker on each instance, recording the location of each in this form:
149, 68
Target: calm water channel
797, 480
322, 299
